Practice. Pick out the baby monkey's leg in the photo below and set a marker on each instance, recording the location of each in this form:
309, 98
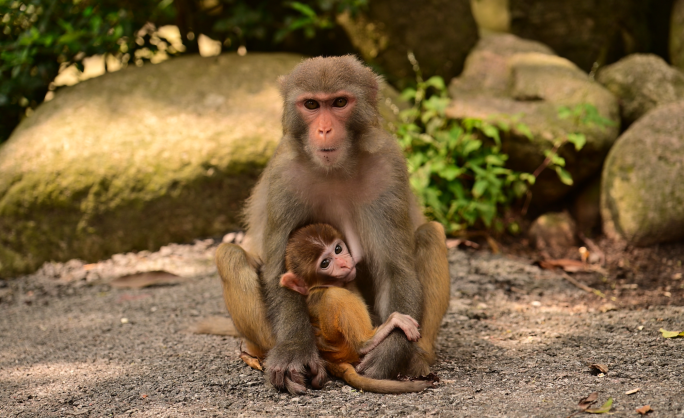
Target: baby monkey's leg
395, 320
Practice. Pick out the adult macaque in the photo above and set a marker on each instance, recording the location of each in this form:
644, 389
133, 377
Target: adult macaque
335, 164
319, 265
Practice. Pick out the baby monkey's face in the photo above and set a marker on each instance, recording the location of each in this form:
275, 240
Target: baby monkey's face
336, 263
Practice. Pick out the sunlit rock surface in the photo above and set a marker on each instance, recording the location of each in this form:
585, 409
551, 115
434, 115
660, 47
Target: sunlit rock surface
642, 82
139, 158
642, 194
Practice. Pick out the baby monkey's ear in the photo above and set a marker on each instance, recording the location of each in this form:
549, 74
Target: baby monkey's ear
294, 282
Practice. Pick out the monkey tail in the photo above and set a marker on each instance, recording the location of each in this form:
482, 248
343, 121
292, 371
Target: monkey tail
346, 372
215, 325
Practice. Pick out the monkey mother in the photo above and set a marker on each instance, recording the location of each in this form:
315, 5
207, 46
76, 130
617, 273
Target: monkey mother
335, 164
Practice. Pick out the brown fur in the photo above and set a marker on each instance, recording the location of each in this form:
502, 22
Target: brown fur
305, 246
365, 194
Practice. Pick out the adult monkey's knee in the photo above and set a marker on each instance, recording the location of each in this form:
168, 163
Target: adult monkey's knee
243, 297
432, 268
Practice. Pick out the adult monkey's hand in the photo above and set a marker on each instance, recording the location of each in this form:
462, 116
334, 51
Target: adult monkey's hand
288, 369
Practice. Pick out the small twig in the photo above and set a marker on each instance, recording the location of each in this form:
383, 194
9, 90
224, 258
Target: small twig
583, 286
547, 160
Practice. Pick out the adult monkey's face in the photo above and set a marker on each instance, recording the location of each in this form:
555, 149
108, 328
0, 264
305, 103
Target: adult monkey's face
327, 116
329, 105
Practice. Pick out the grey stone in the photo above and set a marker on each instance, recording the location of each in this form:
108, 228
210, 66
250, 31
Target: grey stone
642, 82
642, 194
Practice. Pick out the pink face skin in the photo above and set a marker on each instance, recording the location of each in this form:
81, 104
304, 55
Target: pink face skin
327, 115
337, 263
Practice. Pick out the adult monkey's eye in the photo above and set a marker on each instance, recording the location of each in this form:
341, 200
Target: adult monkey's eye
325, 263
340, 102
338, 249
311, 104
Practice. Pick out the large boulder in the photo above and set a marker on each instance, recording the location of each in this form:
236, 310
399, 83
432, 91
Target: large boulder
677, 35
439, 32
506, 76
585, 31
139, 158
642, 82
643, 194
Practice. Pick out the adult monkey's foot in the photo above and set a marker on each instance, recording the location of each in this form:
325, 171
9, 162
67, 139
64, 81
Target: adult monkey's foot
390, 358
288, 370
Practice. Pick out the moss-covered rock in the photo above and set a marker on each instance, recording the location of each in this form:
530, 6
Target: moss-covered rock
506, 76
643, 179
139, 158
642, 82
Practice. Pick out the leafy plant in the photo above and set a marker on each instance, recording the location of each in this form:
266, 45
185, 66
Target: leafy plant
584, 114
457, 168
39, 36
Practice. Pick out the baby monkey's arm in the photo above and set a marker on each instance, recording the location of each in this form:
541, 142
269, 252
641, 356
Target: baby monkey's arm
395, 320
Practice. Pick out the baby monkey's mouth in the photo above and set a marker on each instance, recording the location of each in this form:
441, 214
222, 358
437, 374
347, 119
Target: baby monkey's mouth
327, 149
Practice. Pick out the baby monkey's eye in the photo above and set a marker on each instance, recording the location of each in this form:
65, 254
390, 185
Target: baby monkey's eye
338, 249
311, 104
340, 102
325, 263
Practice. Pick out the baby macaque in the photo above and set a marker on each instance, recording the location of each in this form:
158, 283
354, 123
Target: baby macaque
320, 267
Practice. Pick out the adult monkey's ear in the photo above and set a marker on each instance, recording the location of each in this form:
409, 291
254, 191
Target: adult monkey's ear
294, 282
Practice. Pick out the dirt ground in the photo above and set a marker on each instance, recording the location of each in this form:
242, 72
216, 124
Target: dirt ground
517, 341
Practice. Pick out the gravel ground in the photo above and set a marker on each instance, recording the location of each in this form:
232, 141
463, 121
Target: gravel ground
517, 342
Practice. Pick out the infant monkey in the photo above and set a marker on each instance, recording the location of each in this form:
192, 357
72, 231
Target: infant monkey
319, 266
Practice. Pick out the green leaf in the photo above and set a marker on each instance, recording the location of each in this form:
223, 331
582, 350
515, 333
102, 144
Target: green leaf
450, 173
492, 132
557, 160
529, 178
671, 334
604, 409
524, 129
479, 187
408, 94
578, 140
564, 112
303, 9
494, 160
436, 82
564, 176
470, 146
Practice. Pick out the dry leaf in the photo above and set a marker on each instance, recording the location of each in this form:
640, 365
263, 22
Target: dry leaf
607, 307
644, 409
604, 409
251, 361
602, 368
586, 402
633, 391
570, 266
146, 279
671, 334
455, 242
